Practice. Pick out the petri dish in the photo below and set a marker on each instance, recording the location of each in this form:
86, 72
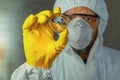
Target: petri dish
57, 24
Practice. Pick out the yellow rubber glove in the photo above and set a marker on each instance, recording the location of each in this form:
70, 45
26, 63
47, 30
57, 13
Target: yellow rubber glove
40, 47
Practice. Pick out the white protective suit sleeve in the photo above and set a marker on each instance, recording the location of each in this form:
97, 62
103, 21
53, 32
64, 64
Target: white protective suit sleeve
26, 72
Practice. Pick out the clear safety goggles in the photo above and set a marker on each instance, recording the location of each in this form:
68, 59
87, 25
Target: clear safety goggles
90, 18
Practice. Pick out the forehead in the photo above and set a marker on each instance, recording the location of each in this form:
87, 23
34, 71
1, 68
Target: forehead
79, 10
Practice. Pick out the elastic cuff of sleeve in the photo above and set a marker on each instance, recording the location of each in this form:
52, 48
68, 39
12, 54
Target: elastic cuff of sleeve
42, 73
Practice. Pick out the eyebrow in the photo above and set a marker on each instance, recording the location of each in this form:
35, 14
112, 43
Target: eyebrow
96, 16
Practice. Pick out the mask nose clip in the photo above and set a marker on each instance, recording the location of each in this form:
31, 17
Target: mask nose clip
81, 25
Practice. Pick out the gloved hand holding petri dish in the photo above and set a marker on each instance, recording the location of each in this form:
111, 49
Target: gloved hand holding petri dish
40, 47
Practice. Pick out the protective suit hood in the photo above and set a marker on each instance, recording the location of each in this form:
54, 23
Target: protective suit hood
97, 6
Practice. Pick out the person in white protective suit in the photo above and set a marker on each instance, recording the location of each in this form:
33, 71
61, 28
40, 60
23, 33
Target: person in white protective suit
84, 57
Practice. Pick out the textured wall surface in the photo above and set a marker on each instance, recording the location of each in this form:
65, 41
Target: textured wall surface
14, 12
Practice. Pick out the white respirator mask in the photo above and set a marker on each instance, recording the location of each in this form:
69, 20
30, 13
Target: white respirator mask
80, 33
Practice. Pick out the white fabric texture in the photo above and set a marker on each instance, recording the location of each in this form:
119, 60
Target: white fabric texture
26, 72
102, 64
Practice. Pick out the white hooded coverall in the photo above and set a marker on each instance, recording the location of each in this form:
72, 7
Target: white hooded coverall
103, 63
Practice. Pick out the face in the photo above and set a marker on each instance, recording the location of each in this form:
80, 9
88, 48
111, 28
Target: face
88, 15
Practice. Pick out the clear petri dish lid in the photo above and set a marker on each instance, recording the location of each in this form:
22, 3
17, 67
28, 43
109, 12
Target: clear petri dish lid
57, 24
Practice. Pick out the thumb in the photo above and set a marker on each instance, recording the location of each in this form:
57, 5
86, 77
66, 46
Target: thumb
62, 40
57, 11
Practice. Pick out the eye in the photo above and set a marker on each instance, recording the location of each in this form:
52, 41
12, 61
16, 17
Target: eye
70, 17
88, 19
